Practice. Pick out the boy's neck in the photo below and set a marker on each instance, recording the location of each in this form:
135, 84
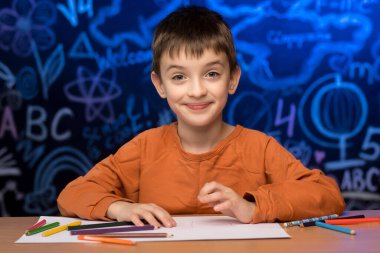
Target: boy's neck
198, 140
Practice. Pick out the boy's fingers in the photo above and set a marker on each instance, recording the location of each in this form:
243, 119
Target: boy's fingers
212, 197
209, 188
136, 220
166, 219
225, 205
162, 215
149, 217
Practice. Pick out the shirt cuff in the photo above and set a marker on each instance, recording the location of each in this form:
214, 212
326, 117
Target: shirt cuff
261, 213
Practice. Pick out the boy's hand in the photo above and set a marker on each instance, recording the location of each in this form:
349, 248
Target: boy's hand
226, 201
135, 212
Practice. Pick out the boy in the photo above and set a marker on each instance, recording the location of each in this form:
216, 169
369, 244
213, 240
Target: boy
199, 164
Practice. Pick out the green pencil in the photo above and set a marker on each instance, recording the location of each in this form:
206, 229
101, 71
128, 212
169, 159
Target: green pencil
43, 228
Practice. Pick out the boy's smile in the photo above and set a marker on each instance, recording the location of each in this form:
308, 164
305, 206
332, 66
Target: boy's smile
197, 106
196, 88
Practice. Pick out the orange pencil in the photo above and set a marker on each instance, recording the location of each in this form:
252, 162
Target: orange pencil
105, 239
351, 221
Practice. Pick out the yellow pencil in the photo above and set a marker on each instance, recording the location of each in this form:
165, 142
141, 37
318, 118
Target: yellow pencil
60, 229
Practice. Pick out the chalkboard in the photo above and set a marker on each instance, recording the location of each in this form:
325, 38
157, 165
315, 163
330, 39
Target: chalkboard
75, 85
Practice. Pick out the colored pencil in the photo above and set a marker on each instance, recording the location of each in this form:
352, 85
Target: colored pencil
350, 217
43, 228
352, 221
60, 229
312, 223
105, 239
111, 230
102, 225
335, 228
137, 235
299, 222
37, 225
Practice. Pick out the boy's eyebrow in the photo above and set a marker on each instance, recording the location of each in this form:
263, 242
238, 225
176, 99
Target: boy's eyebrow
174, 67
216, 62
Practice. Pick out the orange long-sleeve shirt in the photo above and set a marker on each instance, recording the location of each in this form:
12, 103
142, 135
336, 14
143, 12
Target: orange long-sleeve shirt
153, 168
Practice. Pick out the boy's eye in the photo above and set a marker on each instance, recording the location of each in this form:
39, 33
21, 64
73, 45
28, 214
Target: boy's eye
178, 77
213, 74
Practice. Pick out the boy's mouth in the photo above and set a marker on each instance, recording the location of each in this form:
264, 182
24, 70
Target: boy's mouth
197, 106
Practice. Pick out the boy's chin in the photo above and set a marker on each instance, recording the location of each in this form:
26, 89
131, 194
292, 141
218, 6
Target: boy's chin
199, 123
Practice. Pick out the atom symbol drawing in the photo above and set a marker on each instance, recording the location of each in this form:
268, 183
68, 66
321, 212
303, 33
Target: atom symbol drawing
96, 92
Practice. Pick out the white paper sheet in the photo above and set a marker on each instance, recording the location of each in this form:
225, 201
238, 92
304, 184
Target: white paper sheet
188, 228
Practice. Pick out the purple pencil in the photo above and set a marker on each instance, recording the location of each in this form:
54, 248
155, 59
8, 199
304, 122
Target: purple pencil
97, 231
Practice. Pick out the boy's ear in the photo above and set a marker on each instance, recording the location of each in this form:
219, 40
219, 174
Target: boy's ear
234, 80
157, 84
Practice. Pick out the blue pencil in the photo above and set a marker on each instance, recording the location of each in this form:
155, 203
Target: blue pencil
336, 228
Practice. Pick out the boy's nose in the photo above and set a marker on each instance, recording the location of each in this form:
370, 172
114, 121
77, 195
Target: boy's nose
197, 89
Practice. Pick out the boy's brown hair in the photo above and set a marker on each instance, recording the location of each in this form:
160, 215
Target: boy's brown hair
193, 29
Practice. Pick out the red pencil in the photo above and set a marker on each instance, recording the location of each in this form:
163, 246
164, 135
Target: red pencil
37, 225
352, 221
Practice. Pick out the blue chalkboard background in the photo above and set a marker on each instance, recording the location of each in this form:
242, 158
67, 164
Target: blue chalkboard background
75, 85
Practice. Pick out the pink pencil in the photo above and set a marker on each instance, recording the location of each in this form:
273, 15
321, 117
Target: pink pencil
37, 225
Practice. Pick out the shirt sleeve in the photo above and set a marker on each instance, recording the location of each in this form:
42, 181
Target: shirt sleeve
293, 191
113, 179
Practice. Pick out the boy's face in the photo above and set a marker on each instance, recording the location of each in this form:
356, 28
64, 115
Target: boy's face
196, 88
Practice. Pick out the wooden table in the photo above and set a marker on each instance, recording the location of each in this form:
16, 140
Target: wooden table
306, 240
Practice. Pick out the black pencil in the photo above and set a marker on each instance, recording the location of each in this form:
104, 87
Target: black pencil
103, 225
